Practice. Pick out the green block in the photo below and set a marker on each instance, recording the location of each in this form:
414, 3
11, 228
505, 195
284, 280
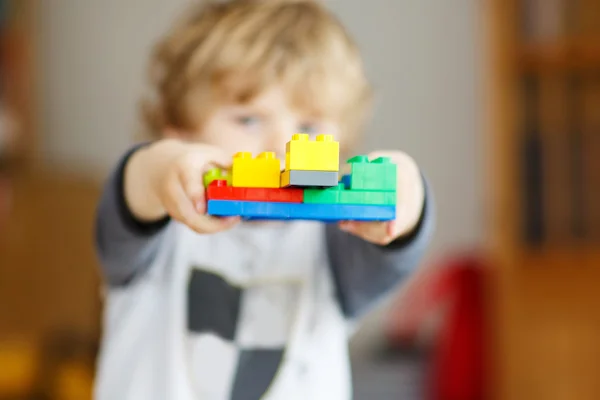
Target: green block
369, 197
341, 195
216, 174
379, 174
324, 196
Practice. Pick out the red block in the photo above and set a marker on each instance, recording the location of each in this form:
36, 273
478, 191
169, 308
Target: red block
218, 190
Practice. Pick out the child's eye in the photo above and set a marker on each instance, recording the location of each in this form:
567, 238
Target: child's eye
248, 120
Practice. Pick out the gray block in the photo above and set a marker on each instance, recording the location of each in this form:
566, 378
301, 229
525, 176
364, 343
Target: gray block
309, 178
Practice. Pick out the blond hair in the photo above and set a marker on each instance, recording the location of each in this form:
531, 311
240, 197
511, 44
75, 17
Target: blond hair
233, 50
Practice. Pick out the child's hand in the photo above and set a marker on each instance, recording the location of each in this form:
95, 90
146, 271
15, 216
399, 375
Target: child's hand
409, 204
167, 178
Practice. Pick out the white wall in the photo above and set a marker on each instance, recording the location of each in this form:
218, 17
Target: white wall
420, 55
93, 57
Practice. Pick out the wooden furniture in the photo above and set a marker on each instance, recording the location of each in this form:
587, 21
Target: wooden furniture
542, 95
17, 73
49, 281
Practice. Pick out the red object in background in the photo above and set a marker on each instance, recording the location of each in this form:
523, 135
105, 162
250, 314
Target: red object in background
218, 190
455, 294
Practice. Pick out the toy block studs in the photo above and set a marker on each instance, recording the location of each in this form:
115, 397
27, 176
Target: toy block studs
267, 155
300, 137
215, 174
358, 159
325, 138
260, 172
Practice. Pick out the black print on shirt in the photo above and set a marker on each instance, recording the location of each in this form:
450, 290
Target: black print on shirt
213, 305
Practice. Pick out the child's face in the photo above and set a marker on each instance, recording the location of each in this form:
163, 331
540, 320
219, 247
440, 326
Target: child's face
266, 123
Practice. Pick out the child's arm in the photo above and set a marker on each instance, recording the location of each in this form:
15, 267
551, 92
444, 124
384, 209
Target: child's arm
151, 185
365, 271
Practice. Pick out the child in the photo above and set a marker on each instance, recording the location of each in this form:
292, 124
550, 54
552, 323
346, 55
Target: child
211, 308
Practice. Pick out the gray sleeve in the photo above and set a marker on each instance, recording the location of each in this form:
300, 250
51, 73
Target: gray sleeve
125, 246
364, 273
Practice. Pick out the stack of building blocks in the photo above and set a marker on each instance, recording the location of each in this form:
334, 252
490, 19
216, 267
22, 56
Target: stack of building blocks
309, 188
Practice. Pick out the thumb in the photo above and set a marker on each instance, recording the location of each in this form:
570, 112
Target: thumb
215, 157
193, 186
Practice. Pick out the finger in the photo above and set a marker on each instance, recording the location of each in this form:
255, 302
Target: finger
393, 229
177, 202
203, 158
193, 187
212, 224
214, 157
374, 232
410, 191
344, 225
369, 228
186, 212
219, 159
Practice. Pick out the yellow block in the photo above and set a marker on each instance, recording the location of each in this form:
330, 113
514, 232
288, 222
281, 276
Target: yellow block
260, 172
322, 154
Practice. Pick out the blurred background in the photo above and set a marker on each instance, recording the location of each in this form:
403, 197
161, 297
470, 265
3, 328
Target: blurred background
499, 102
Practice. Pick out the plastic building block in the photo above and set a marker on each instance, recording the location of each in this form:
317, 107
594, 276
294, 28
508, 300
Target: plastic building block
379, 174
216, 174
300, 211
322, 154
220, 190
341, 195
260, 172
345, 181
309, 178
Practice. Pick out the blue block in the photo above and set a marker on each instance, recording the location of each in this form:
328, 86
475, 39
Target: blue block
300, 211
346, 181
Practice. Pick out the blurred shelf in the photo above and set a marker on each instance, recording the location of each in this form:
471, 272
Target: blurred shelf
548, 317
581, 256
558, 56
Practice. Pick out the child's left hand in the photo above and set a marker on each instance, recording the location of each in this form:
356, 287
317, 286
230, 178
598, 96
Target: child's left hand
409, 204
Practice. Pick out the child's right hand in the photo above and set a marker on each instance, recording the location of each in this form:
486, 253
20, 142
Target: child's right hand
167, 178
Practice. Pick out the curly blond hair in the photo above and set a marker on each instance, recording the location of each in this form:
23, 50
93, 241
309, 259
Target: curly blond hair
233, 50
